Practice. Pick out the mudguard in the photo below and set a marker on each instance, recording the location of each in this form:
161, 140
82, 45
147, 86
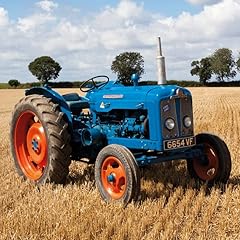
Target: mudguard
56, 98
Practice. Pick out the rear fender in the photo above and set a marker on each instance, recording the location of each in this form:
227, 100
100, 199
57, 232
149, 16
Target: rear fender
46, 91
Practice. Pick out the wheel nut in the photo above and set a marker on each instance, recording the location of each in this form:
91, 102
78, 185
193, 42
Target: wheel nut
211, 171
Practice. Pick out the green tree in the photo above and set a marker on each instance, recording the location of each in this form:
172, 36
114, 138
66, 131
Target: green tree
238, 63
223, 64
202, 69
13, 83
127, 63
44, 68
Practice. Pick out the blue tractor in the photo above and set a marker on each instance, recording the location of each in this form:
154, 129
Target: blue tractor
119, 129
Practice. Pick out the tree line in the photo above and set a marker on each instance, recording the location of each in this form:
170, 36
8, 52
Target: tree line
220, 64
45, 68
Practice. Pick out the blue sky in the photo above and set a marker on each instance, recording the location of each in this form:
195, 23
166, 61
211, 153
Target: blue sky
18, 8
85, 36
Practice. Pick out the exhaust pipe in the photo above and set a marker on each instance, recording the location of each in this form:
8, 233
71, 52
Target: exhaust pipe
161, 71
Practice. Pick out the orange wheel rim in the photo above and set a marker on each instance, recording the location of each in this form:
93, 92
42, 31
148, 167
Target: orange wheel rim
209, 170
30, 144
113, 176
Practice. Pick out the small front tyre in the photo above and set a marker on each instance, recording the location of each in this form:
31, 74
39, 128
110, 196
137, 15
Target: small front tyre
215, 166
117, 174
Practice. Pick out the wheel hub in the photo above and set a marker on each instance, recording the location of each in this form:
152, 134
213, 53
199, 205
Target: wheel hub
211, 172
111, 178
207, 167
36, 143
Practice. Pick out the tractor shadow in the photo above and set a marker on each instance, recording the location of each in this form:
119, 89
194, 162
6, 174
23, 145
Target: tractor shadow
157, 180
165, 178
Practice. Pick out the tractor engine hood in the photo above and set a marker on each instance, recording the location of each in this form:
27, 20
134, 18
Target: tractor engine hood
166, 91
136, 97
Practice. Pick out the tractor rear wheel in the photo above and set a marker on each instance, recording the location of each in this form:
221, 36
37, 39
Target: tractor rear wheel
216, 165
117, 174
40, 141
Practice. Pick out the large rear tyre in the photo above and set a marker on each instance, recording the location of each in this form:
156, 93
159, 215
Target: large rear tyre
215, 167
117, 174
40, 141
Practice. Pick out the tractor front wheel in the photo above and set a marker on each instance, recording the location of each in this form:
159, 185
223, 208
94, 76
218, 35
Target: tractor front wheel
215, 165
40, 141
117, 174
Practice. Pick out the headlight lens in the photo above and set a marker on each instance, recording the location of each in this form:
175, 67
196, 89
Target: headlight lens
187, 121
169, 124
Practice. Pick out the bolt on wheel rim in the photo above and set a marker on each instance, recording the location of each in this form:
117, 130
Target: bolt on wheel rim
30, 145
113, 176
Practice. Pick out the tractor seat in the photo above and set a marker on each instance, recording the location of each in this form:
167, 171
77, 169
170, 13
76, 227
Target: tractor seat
75, 102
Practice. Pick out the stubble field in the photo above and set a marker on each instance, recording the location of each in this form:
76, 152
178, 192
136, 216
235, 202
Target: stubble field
172, 205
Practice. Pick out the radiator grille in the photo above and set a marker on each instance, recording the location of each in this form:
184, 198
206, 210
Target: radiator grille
176, 108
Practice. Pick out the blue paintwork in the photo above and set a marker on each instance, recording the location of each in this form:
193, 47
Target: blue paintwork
127, 97
190, 153
135, 78
90, 134
114, 96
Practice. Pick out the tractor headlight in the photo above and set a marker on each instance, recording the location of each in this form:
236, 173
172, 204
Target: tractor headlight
187, 121
169, 124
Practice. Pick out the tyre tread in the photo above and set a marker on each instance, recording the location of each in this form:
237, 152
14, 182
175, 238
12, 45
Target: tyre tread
57, 132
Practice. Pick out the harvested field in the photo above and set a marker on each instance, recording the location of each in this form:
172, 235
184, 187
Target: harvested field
172, 205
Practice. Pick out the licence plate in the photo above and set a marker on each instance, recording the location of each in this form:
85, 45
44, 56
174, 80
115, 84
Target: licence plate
179, 143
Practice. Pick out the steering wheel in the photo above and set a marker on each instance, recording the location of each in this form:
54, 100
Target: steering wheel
93, 83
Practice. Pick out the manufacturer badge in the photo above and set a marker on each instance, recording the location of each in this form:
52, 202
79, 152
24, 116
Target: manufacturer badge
166, 108
113, 96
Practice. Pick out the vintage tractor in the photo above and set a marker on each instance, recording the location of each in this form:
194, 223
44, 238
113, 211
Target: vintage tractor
119, 128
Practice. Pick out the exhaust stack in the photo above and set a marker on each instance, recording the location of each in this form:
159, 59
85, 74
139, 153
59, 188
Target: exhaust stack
161, 71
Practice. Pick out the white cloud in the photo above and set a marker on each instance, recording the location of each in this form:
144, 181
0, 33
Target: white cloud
86, 46
47, 5
34, 21
125, 14
203, 2
3, 17
129, 9
69, 37
209, 24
